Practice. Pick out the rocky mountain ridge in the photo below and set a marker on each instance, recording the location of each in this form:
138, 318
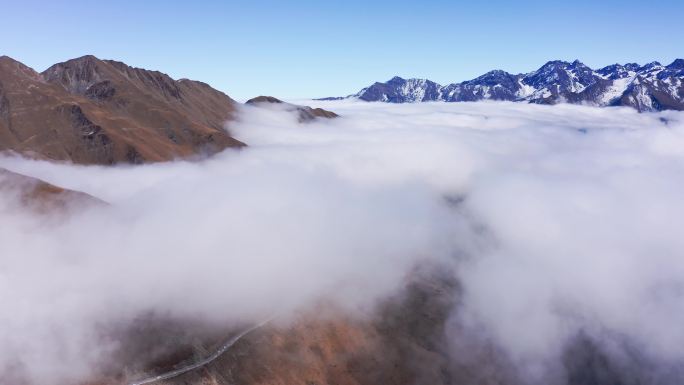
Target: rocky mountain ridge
93, 111
651, 87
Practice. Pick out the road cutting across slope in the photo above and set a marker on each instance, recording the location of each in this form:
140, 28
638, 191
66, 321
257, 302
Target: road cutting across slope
222, 349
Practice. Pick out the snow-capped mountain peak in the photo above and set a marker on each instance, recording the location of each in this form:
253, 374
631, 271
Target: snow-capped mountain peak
648, 87
400, 90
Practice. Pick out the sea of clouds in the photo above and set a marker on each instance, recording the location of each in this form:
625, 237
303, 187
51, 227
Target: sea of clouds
558, 220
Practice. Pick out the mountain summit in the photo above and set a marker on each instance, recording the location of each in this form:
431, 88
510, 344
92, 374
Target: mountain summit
93, 111
651, 87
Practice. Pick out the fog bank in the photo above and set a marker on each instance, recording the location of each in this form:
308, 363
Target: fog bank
558, 220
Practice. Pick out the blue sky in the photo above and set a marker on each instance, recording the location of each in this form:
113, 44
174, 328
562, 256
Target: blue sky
320, 48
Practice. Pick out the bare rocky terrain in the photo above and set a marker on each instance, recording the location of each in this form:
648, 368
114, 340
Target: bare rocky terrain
93, 111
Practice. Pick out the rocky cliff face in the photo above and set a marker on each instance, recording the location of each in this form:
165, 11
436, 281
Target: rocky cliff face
652, 87
94, 111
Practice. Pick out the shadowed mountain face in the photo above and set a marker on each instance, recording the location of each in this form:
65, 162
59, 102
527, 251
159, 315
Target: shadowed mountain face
304, 113
652, 87
94, 111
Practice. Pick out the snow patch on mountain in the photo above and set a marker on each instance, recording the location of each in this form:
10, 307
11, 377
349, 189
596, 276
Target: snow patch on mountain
616, 89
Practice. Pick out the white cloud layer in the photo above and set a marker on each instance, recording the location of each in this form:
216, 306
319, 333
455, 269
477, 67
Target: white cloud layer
578, 211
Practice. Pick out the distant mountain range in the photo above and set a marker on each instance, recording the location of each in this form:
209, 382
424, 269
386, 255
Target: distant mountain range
651, 87
93, 111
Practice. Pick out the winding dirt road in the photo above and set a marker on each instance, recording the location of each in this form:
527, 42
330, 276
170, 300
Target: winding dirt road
175, 373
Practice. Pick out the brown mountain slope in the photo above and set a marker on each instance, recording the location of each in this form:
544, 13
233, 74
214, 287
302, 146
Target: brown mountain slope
93, 111
402, 343
411, 339
40, 196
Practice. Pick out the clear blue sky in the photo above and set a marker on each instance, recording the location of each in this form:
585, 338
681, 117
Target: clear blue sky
294, 49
